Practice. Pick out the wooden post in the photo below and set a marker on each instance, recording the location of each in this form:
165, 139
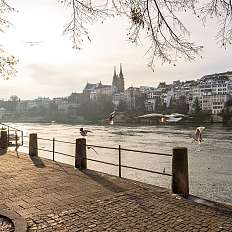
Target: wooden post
8, 136
4, 139
80, 154
33, 146
22, 138
180, 179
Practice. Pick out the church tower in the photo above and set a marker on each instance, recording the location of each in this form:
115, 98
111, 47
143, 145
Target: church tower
114, 83
121, 80
118, 80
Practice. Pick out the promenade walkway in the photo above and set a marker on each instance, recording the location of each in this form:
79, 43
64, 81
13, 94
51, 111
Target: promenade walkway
56, 197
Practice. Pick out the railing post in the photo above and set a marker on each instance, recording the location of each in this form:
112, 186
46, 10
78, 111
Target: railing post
4, 139
22, 137
80, 154
8, 135
33, 146
53, 149
119, 162
180, 179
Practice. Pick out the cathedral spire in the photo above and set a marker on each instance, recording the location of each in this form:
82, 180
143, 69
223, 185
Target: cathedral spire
114, 71
114, 77
120, 73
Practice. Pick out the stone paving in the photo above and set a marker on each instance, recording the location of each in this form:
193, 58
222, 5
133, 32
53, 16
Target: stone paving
57, 197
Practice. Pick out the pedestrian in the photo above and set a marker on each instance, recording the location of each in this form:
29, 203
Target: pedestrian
16, 143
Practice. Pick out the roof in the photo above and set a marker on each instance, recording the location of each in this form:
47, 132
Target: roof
90, 86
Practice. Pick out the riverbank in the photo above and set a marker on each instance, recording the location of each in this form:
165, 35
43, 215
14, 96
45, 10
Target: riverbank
38, 190
121, 118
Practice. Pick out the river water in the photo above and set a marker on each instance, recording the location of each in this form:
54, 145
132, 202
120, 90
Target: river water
210, 163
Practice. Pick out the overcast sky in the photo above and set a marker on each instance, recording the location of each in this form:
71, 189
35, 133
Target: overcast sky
54, 69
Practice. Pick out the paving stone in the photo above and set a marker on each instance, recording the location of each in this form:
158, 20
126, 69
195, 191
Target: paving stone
58, 197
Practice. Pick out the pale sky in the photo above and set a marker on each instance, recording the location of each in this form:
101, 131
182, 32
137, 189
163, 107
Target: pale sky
54, 69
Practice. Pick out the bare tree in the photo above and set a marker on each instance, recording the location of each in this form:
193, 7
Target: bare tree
7, 61
159, 20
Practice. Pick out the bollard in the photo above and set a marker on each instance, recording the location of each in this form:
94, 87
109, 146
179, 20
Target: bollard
180, 180
4, 139
80, 154
33, 146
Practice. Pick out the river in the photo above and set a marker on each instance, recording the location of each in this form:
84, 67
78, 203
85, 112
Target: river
210, 163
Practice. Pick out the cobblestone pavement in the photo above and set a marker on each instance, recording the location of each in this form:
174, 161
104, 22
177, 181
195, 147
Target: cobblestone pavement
56, 197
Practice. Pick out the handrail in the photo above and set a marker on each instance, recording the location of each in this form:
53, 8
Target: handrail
56, 152
103, 162
145, 152
9, 129
112, 148
146, 170
126, 149
119, 149
59, 141
10, 126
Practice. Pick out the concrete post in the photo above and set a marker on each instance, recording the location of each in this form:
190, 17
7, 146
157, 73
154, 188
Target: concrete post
4, 139
33, 146
80, 154
180, 180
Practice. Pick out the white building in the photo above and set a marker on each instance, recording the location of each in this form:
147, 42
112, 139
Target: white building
214, 103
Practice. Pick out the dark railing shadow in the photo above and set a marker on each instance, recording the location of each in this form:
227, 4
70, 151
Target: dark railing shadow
3, 151
104, 181
37, 161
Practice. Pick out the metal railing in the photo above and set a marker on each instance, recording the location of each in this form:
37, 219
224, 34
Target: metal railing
13, 136
120, 165
53, 151
91, 146
179, 180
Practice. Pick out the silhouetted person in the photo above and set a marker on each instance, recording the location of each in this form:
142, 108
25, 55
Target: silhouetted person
16, 143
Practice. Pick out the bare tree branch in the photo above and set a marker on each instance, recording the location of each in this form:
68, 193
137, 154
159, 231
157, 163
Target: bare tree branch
157, 22
167, 35
84, 13
7, 61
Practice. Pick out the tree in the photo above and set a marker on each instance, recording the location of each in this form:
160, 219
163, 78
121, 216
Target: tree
96, 110
140, 103
196, 106
227, 112
159, 20
228, 103
14, 98
182, 106
160, 106
7, 61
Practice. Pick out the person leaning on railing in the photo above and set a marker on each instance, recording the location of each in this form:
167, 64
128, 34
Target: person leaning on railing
16, 143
